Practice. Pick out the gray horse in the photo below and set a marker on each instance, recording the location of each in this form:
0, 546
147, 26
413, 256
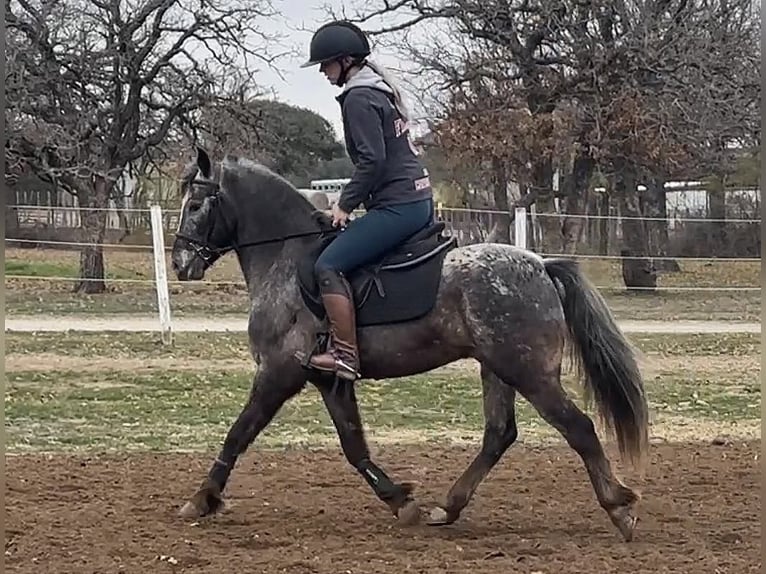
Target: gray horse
508, 308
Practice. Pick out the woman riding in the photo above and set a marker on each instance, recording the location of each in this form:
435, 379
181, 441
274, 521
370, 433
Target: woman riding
389, 180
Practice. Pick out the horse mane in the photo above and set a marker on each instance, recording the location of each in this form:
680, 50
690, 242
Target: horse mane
264, 194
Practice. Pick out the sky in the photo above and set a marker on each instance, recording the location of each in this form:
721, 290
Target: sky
307, 87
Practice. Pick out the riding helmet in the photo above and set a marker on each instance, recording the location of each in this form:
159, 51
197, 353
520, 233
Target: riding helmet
336, 40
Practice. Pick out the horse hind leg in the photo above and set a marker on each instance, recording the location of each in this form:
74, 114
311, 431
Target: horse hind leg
500, 432
542, 388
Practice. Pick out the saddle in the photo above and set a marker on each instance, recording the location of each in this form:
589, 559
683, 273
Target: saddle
400, 286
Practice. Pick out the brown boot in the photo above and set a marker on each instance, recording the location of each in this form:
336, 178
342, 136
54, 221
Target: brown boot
342, 356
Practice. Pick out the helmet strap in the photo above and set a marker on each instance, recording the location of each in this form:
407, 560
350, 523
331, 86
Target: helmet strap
344, 69
343, 72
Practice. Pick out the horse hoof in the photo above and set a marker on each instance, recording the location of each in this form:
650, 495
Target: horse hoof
625, 521
190, 510
207, 500
438, 517
409, 513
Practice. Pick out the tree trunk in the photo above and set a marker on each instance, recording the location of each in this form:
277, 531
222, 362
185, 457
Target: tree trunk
603, 212
655, 207
576, 188
93, 232
501, 230
542, 185
12, 223
717, 230
637, 269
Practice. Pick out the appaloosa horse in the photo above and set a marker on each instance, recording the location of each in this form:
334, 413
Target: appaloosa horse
508, 308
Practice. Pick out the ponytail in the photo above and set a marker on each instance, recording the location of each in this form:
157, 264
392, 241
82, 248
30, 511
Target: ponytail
388, 78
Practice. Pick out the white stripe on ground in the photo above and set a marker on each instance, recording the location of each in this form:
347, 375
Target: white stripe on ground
239, 324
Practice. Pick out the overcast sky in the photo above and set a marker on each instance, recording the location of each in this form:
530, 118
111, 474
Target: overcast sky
307, 87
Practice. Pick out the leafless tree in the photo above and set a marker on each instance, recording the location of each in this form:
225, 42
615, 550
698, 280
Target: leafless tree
650, 90
95, 85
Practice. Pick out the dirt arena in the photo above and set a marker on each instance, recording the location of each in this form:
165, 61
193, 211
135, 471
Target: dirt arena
307, 512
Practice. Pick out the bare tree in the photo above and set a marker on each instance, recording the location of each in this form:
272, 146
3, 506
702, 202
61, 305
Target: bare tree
524, 49
651, 90
93, 85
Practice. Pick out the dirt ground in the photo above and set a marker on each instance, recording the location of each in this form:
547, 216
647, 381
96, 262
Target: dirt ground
307, 512
238, 323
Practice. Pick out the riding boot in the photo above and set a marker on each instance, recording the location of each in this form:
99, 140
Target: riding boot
342, 356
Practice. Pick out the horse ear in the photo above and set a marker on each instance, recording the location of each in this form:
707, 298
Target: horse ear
203, 163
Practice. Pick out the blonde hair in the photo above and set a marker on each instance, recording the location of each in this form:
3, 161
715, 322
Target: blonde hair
388, 78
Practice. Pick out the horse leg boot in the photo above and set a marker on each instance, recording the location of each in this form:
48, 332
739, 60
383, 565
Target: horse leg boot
342, 355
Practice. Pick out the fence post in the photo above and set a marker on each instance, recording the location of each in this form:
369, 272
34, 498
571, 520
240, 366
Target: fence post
160, 274
520, 227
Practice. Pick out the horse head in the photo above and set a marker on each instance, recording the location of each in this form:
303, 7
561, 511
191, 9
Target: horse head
242, 205
205, 229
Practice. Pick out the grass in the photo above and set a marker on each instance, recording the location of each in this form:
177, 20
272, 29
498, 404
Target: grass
31, 296
228, 345
66, 268
85, 391
137, 346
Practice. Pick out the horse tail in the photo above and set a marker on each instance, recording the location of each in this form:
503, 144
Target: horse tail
601, 353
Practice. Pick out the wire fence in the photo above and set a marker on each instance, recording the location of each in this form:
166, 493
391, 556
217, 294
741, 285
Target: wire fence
169, 248
46, 210
470, 225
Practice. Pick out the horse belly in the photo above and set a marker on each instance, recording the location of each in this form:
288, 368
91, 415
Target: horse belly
413, 347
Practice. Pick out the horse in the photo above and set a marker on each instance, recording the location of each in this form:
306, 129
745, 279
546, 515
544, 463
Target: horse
518, 314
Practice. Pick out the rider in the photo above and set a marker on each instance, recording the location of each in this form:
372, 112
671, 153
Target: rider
389, 180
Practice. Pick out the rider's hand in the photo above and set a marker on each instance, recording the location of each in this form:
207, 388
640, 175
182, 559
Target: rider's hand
339, 217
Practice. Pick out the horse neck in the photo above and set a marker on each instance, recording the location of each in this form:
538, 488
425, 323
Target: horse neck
269, 267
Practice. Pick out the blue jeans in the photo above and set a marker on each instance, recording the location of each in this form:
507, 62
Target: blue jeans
374, 234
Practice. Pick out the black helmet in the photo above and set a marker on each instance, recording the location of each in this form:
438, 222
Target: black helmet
335, 40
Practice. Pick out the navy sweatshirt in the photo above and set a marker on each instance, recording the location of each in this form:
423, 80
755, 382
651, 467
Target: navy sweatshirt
388, 171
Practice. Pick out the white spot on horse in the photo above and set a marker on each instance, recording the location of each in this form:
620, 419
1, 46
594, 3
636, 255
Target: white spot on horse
499, 285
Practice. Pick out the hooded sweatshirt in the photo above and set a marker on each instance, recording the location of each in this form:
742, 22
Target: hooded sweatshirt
388, 170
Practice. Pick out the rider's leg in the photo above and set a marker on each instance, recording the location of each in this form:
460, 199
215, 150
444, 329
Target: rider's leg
342, 356
373, 235
367, 239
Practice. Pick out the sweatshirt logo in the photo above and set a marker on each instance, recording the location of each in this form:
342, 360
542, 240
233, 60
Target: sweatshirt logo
402, 127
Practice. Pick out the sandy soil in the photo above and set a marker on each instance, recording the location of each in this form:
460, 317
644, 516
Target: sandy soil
308, 512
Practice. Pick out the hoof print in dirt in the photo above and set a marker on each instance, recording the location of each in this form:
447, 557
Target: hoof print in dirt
408, 514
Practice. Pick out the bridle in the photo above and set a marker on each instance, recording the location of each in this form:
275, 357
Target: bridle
203, 247
209, 253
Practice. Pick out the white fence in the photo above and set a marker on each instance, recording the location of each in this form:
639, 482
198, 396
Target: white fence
160, 221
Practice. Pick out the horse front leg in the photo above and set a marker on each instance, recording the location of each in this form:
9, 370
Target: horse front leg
272, 387
342, 406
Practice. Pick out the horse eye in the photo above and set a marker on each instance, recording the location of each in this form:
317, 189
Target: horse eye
194, 206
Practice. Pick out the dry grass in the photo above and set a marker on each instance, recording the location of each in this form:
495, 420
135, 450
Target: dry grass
25, 296
84, 391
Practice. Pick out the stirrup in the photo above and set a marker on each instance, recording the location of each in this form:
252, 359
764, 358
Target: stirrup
345, 371
341, 369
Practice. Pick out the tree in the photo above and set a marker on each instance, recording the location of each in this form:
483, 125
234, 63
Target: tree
291, 140
650, 90
521, 52
94, 85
